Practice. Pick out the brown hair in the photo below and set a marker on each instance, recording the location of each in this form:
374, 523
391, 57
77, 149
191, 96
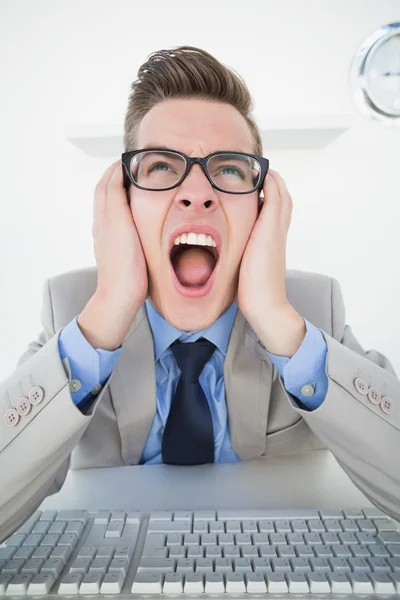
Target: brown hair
186, 72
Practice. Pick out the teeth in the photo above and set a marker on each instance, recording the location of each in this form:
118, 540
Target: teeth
200, 239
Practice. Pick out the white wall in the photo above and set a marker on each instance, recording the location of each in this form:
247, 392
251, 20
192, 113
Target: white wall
74, 60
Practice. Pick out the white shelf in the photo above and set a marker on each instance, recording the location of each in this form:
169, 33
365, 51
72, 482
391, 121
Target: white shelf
299, 133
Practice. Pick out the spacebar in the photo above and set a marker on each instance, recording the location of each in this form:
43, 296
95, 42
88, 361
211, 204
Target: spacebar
267, 513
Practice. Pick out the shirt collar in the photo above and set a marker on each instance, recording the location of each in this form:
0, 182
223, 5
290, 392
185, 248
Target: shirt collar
164, 334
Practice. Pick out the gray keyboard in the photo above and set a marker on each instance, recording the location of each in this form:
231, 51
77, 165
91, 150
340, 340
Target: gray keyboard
302, 551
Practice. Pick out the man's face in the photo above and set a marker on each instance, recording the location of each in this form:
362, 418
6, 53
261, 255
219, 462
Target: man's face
197, 128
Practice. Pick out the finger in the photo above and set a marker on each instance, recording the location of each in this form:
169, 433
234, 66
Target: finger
116, 193
100, 195
282, 187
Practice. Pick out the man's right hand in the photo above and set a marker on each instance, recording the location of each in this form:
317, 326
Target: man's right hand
122, 282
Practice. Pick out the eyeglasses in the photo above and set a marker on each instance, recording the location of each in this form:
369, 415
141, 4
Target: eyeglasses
158, 170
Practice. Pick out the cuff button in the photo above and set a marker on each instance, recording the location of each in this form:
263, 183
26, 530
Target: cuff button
11, 417
75, 385
36, 395
23, 406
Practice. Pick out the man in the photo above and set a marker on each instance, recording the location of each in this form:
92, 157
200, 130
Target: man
191, 252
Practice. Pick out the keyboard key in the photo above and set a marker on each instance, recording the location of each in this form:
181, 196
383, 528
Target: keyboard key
255, 583
87, 552
297, 583
339, 565
48, 515
267, 526
91, 583
27, 527
102, 517
372, 512
223, 565
43, 552
378, 564
100, 565
173, 583
53, 566
320, 565
195, 552
112, 583
41, 527
185, 565
114, 529
183, 515
281, 565
204, 565
19, 584
262, 565
318, 583
378, 550
106, 551
161, 515
200, 527
305, 551
40, 584
133, 517
340, 584
205, 515
177, 552
387, 537
25, 552
360, 582
81, 565
316, 526
353, 513
74, 527
242, 565
162, 565
232, 551
382, 583
70, 583
229, 539
333, 525
72, 515
299, 526
33, 566
234, 583
153, 552
276, 583
300, 565
341, 551
5, 579
359, 565
15, 540
147, 583
349, 525
13, 566
193, 584
214, 583
169, 526
330, 513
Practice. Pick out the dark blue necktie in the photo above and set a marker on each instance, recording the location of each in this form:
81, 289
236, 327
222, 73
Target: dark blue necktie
189, 434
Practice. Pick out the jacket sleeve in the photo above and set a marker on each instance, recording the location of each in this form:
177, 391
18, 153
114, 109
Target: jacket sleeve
35, 447
359, 419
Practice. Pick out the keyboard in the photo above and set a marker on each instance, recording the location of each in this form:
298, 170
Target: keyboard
303, 551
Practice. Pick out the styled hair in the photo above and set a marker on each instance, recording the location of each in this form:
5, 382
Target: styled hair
186, 72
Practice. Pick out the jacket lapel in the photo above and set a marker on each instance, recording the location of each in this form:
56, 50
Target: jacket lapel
248, 375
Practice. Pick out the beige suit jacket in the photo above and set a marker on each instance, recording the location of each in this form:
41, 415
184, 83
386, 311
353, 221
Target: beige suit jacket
36, 453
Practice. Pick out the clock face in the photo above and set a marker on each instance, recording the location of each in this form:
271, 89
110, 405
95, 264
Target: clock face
375, 75
382, 73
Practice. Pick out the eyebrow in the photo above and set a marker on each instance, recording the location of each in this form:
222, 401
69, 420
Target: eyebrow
172, 150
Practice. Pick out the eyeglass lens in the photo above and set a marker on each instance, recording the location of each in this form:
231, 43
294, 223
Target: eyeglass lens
230, 172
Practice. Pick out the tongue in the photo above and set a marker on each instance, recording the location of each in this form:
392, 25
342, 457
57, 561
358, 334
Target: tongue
194, 266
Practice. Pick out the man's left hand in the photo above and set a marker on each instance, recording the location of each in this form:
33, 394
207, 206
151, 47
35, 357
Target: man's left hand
261, 293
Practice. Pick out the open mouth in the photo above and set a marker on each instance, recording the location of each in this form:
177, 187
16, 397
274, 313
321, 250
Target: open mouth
194, 267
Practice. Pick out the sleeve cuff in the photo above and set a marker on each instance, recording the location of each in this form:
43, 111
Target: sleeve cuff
305, 372
89, 365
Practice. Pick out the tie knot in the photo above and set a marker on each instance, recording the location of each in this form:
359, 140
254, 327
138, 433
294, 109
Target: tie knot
191, 357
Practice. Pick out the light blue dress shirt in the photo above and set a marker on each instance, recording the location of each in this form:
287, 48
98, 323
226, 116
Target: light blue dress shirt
94, 366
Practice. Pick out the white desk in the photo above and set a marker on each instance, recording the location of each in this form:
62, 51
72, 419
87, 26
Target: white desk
313, 480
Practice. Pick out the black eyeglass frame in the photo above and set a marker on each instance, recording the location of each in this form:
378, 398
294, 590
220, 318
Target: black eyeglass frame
126, 158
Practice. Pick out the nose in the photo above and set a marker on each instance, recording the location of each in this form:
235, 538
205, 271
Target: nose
196, 191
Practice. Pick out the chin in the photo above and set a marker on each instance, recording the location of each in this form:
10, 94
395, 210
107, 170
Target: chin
190, 314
